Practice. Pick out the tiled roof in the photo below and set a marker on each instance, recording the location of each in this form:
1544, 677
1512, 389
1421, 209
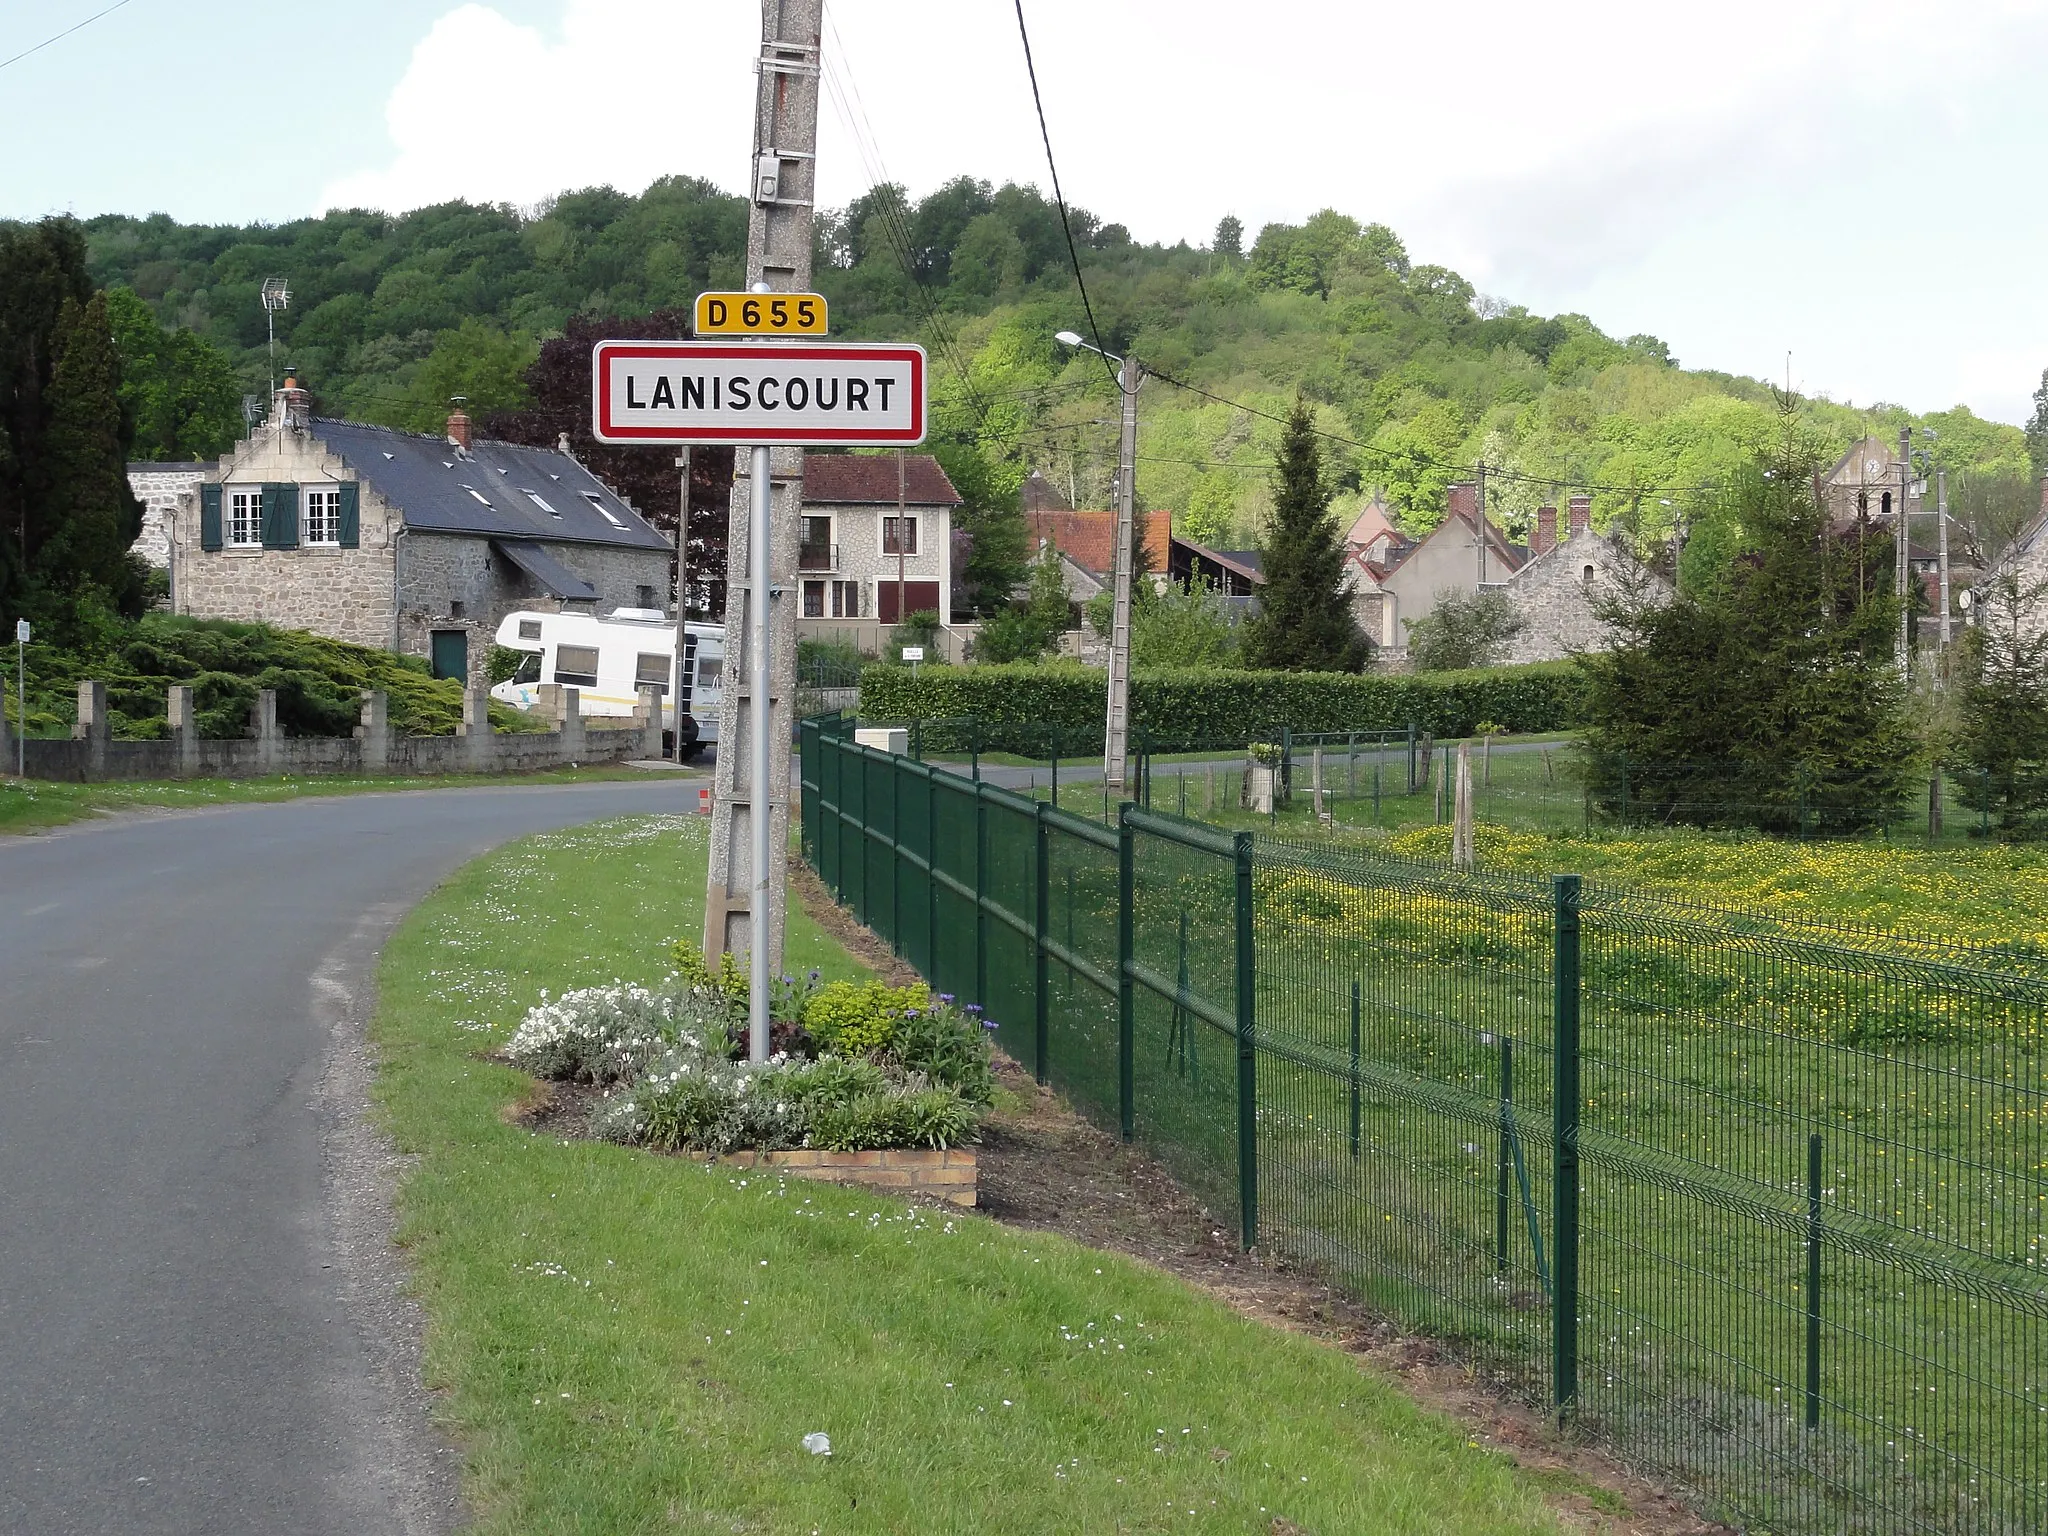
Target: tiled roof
1089, 538
497, 490
867, 477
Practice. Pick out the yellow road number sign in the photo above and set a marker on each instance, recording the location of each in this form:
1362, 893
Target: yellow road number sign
760, 314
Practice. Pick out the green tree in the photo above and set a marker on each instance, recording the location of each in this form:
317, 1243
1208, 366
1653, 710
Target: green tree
1464, 629
1767, 697
2004, 735
178, 391
1229, 239
1184, 628
1026, 631
1304, 622
1418, 463
2037, 430
90, 518
476, 361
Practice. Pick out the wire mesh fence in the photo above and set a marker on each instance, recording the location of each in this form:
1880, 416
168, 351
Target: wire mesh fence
1759, 1204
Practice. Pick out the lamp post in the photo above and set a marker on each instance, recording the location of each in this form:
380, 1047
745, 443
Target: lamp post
1116, 738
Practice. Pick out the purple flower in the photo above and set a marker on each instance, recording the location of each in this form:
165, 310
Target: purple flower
945, 997
972, 1008
990, 1024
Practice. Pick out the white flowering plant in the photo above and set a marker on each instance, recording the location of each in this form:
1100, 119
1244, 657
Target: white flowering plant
610, 1034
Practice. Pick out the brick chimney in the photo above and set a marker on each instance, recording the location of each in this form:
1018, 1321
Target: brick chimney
1463, 501
1580, 510
458, 425
292, 405
1546, 531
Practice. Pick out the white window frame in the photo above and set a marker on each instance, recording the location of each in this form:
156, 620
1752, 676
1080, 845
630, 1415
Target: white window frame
242, 514
841, 590
328, 496
882, 535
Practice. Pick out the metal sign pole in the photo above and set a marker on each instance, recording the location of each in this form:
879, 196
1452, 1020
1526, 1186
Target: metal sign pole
760, 728
20, 698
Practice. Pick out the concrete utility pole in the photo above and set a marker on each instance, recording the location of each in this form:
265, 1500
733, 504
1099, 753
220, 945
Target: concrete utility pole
1902, 539
679, 676
1941, 544
747, 886
1116, 741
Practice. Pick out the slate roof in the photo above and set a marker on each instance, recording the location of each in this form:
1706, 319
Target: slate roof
489, 491
843, 478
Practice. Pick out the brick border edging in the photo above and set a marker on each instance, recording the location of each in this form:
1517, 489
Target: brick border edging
947, 1175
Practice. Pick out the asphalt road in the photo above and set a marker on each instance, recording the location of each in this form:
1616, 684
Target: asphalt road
201, 1323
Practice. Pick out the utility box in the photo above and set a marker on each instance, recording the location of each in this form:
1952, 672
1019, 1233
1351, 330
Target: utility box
884, 738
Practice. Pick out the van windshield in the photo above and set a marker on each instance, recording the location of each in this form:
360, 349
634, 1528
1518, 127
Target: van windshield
529, 669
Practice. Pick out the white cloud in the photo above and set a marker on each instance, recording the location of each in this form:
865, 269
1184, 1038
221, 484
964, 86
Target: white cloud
629, 91
1740, 180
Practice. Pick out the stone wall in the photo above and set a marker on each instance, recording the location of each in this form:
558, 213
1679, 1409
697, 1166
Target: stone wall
92, 756
344, 594
1557, 596
161, 488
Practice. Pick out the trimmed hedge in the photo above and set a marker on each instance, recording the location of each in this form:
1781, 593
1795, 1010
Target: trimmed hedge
1019, 707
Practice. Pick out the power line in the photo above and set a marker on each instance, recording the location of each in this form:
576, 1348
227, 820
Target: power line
1060, 198
39, 47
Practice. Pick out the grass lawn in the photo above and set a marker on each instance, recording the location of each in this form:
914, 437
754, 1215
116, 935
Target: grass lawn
34, 805
635, 1343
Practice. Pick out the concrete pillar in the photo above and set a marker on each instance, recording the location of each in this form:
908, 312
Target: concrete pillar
572, 725
375, 731
91, 727
185, 729
648, 713
269, 740
547, 703
476, 728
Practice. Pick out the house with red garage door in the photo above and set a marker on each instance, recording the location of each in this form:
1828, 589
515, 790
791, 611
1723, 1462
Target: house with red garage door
875, 545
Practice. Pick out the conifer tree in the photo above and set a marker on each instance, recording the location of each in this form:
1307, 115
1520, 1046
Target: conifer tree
2005, 715
1304, 622
1771, 696
90, 516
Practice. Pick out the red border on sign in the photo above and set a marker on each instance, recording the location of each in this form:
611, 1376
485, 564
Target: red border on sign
600, 392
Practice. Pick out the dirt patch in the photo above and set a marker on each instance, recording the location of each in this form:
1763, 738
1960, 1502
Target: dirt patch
1045, 1168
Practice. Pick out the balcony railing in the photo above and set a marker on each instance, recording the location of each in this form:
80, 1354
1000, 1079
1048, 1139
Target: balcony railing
817, 557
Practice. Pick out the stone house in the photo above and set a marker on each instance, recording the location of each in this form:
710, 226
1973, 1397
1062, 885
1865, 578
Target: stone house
1463, 553
411, 543
1559, 590
855, 560
2026, 559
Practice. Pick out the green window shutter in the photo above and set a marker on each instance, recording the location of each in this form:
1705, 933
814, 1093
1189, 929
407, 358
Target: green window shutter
280, 516
209, 517
350, 534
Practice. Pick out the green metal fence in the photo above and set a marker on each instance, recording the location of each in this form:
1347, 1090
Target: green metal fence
1758, 1204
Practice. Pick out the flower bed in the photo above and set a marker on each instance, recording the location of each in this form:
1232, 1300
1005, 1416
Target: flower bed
858, 1069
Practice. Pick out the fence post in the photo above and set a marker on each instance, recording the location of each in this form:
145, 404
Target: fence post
1042, 979
931, 871
1126, 956
1357, 1114
1286, 785
1507, 1152
1247, 1061
981, 897
1813, 1281
1411, 757
1564, 1307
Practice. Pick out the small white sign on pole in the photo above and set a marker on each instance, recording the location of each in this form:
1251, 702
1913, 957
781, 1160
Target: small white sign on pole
913, 653
758, 394
21, 631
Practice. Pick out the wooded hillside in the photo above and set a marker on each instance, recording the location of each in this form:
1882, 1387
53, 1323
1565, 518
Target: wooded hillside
392, 315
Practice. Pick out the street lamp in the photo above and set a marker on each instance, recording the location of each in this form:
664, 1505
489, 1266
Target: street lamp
1116, 738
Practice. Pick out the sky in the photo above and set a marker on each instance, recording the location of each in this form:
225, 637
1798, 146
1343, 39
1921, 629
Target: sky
1853, 186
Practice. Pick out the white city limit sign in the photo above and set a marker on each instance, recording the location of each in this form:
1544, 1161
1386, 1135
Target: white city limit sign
750, 394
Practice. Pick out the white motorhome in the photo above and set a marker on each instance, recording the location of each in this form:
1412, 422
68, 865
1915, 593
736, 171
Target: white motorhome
609, 660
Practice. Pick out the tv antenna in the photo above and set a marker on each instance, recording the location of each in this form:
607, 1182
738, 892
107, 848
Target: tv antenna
276, 296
